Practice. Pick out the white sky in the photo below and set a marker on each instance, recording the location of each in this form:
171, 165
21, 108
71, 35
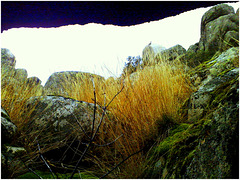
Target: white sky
96, 48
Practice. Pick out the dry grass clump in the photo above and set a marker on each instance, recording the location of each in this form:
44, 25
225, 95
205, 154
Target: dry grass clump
14, 94
148, 97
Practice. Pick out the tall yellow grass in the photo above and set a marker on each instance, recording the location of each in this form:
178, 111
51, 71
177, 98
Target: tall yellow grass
15, 93
148, 96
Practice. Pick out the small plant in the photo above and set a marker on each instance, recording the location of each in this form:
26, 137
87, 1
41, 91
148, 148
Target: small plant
132, 65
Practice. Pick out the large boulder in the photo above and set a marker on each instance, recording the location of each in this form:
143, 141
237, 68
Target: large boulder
219, 28
208, 77
55, 120
58, 82
219, 32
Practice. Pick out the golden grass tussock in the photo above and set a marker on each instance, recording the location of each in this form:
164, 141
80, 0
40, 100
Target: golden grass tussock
148, 95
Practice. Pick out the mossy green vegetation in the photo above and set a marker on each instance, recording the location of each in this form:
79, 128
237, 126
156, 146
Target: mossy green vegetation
173, 152
49, 175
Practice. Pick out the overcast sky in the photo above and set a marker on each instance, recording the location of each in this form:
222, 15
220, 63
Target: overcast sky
96, 48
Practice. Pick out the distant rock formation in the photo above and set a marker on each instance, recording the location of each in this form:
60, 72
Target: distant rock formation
7, 58
19, 77
172, 53
57, 82
149, 53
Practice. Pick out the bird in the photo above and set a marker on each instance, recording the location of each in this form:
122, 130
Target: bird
150, 43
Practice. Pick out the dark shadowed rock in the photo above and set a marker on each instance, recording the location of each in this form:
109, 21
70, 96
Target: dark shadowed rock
8, 129
9, 154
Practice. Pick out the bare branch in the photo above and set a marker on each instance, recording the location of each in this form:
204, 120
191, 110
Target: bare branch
115, 96
95, 107
107, 144
45, 160
94, 135
30, 169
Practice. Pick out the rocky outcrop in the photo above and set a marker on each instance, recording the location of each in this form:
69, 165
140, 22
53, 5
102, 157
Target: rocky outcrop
219, 28
59, 81
53, 120
206, 145
18, 77
21, 75
219, 32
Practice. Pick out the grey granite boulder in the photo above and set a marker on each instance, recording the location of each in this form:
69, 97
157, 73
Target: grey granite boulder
219, 28
53, 120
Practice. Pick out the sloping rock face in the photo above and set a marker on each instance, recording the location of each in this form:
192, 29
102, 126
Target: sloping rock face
53, 120
219, 28
206, 146
59, 81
